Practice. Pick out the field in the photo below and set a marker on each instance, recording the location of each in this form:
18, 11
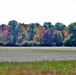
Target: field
54, 67
38, 68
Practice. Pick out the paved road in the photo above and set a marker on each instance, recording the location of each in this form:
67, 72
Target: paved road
29, 55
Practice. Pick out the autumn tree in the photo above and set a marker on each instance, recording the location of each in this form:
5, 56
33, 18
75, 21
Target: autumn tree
4, 34
38, 36
47, 33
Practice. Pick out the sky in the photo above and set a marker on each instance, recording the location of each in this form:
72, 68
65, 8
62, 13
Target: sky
31, 11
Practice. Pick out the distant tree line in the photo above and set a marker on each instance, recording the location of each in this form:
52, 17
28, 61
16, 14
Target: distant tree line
34, 34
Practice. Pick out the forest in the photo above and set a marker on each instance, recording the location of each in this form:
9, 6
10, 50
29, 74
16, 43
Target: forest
34, 34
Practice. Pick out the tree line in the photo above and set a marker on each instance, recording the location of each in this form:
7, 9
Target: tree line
34, 34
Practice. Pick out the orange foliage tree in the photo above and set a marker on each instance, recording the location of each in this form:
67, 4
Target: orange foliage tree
64, 33
38, 34
24, 27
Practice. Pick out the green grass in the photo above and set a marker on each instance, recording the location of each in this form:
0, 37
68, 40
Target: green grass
64, 67
39, 65
57, 50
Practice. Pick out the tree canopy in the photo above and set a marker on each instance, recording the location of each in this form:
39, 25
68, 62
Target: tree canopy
34, 34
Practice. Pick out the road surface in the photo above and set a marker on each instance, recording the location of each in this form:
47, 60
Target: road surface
30, 55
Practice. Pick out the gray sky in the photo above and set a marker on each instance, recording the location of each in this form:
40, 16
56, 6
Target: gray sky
41, 11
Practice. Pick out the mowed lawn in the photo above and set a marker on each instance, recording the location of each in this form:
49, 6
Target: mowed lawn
38, 68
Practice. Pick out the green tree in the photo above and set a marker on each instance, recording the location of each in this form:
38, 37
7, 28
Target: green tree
57, 38
12, 29
31, 31
37, 24
72, 28
71, 39
60, 26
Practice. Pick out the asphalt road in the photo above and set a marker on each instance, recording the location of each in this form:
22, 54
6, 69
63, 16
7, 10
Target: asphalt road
29, 55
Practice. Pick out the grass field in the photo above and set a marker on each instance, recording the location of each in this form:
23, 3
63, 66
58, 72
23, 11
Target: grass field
38, 68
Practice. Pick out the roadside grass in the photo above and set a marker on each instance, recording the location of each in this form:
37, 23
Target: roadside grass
57, 50
38, 68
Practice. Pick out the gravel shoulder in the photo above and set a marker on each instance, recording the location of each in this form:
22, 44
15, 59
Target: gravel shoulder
40, 48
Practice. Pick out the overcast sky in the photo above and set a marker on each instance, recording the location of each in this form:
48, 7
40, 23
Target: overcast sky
41, 11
